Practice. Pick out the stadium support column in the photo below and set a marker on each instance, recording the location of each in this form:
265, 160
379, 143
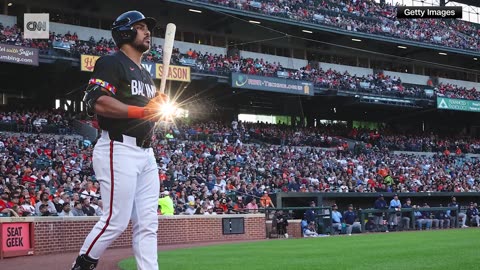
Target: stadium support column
5, 7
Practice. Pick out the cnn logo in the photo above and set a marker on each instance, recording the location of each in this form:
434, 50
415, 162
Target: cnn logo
36, 25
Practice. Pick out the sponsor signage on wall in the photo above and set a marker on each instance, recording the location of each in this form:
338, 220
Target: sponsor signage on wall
272, 84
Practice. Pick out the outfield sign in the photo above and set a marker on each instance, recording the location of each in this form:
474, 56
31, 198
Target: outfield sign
18, 55
458, 104
272, 84
16, 239
175, 73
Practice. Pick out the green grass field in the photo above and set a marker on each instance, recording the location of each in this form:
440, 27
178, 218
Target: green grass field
443, 249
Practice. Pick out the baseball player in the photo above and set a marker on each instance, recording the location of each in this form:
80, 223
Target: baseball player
124, 97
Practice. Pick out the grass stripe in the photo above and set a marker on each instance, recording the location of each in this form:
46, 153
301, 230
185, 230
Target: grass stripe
436, 249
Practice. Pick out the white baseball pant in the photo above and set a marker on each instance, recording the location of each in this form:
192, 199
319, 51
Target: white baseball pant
129, 186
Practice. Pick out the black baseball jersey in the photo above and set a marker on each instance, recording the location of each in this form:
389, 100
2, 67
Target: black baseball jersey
130, 85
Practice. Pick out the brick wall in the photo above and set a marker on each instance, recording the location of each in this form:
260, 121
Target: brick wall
57, 234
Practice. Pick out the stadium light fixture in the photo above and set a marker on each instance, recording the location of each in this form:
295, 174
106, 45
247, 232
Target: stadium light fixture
356, 39
442, 53
194, 10
475, 58
254, 22
10, 4
307, 31
401, 47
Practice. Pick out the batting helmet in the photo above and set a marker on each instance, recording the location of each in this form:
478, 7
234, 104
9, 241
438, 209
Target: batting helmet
122, 29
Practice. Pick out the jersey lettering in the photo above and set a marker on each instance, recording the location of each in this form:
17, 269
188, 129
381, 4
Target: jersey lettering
134, 88
150, 90
139, 88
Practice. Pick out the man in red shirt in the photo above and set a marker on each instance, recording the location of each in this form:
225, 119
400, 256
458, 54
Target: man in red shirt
5, 205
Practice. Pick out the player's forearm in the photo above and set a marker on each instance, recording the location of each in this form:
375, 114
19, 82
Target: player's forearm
109, 107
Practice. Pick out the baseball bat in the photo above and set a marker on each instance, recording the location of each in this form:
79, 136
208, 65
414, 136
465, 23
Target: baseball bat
167, 53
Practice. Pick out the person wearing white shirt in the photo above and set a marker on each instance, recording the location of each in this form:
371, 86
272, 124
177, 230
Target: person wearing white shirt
310, 230
66, 212
191, 208
27, 207
210, 211
88, 193
98, 206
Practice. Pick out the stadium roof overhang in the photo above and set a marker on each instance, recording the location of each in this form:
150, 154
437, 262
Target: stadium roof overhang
325, 38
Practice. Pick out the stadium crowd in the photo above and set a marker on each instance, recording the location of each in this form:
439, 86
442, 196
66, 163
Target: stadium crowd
425, 142
369, 17
221, 64
42, 174
36, 121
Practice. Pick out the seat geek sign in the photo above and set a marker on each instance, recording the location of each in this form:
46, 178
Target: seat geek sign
16, 239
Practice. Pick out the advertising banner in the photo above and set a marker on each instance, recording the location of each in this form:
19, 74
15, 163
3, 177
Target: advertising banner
16, 239
18, 55
87, 62
176, 73
458, 104
280, 85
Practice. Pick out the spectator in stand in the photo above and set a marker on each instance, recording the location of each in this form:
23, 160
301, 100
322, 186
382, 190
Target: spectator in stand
5, 203
78, 209
180, 209
191, 208
27, 205
165, 203
56, 202
66, 211
98, 206
87, 208
43, 211
252, 206
240, 207
369, 17
210, 211
49, 206
266, 201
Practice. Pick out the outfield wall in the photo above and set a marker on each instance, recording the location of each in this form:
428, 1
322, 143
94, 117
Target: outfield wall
66, 234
